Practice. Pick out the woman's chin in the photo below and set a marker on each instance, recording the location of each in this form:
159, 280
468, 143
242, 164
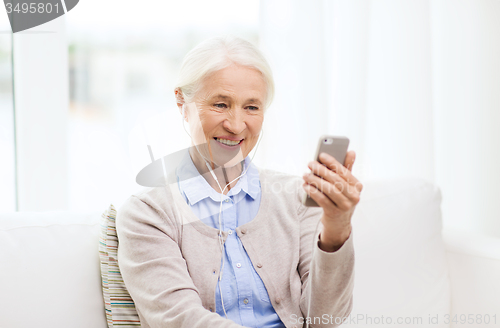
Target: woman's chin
224, 155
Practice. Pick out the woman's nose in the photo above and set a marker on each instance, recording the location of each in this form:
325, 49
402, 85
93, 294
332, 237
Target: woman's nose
235, 122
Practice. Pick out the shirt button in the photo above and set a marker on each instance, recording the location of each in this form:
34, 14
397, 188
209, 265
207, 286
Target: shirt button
245, 301
278, 300
243, 231
230, 232
238, 265
259, 265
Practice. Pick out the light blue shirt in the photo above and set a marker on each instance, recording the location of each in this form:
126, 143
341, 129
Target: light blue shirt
245, 297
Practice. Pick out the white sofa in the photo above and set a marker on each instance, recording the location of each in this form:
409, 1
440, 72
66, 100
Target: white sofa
405, 266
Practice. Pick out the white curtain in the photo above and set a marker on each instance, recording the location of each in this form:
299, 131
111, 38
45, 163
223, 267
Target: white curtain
414, 84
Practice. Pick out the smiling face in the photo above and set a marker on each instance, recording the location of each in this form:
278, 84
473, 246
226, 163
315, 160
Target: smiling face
226, 114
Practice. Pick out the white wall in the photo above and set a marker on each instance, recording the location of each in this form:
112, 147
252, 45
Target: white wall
466, 80
414, 84
41, 99
7, 150
382, 85
294, 46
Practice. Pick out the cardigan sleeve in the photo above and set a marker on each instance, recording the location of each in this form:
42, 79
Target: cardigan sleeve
329, 281
155, 272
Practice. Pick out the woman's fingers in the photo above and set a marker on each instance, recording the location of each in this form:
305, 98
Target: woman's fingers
330, 162
335, 181
344, 172
335, 192
320, 198
331, 176
323, 172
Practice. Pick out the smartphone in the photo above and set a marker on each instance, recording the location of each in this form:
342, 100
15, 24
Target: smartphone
335, 146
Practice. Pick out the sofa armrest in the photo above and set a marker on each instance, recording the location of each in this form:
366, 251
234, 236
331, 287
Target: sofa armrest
474, 266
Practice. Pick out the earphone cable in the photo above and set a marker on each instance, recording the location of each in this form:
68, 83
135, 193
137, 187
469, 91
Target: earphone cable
221, 242
311, 266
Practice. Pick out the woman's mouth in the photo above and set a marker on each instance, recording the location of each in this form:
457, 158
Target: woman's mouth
227, 142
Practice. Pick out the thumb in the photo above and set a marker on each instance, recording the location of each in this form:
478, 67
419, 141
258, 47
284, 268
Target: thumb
350, 157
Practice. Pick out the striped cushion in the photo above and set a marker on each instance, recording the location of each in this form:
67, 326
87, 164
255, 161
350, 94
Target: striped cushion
120, 308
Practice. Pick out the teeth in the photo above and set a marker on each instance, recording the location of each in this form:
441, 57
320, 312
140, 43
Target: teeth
227, 142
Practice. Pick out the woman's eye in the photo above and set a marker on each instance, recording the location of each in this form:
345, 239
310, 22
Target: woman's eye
253, 107
220, 105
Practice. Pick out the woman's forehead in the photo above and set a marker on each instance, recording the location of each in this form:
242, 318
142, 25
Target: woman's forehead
234, 82
231, 96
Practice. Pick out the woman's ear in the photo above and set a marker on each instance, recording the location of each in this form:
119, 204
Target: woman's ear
179, 97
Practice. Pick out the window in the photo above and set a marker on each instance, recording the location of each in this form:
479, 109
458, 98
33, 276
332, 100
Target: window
7, 140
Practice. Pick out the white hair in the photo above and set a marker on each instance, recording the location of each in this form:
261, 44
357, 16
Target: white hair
218, 53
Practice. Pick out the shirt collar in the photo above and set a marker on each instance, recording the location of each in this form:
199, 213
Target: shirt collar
196, 188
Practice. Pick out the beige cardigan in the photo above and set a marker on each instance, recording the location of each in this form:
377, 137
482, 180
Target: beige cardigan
170, 260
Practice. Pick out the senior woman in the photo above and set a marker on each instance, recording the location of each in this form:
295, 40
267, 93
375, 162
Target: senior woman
229, 244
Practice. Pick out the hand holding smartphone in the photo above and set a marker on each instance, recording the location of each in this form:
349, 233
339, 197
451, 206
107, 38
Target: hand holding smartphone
335, 146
